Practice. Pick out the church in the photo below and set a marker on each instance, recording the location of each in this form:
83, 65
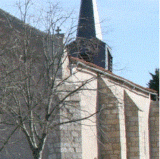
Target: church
114, 118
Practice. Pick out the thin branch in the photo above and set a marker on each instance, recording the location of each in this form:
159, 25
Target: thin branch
7, 140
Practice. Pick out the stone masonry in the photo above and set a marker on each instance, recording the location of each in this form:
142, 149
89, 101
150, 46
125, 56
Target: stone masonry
108, 125
69, 145
154, 130
132, 128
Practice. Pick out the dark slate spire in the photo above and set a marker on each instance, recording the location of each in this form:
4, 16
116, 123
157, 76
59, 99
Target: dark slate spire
89, 46
86, 25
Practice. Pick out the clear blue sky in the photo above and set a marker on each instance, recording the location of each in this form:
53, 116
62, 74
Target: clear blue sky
129, 27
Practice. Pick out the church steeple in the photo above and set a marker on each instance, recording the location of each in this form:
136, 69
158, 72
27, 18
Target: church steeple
86, 25
88, 44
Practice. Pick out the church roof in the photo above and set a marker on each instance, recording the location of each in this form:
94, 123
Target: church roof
111, 75
9, 21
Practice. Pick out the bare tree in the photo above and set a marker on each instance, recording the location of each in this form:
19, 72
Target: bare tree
32, 84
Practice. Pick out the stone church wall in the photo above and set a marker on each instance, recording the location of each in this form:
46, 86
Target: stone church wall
108, 123
88, 102
132, 128
122, 119
154, 130
142, 102
114, 99
68, 135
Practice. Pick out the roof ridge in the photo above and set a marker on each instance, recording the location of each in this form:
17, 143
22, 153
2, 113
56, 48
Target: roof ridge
104, 70
17, 22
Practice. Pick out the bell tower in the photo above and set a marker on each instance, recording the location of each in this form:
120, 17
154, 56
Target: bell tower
88, 44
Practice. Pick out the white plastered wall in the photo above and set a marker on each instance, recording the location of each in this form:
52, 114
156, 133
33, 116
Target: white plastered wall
88, 103
65, 65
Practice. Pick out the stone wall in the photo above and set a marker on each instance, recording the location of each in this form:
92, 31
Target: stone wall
132, 128
70, 133
154, 130
17, 147
121, 122
66, 142
132, 108
108, 123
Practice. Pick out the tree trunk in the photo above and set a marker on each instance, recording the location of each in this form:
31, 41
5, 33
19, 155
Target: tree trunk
37, 154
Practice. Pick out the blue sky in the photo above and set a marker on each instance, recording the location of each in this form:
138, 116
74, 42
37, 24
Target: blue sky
129, 27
